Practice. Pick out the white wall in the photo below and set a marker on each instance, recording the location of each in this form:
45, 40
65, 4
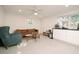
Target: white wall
1, 16
20, 22
48, 23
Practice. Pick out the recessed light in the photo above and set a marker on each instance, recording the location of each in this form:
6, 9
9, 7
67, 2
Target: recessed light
19, 52
20, 10
35, 13
36, 10
66, 5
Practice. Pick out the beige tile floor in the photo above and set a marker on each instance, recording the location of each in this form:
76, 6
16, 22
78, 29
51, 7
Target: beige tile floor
42, 45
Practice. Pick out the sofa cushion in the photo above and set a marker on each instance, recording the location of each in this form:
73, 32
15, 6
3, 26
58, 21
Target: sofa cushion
3, 32
1, 43
8, 39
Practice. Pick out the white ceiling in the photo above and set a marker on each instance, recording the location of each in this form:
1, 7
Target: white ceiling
43, 10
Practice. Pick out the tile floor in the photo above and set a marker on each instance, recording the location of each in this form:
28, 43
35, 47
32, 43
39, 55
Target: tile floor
42, 45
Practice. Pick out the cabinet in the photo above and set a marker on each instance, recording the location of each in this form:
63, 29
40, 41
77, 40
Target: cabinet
73, 37
70, 36
60, 34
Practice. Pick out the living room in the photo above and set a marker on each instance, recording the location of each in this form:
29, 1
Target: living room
41, 18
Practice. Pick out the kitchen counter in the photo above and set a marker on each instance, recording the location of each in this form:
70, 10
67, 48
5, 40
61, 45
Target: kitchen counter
67, 29
67, 35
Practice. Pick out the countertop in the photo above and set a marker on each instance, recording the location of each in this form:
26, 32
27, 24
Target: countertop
66, 29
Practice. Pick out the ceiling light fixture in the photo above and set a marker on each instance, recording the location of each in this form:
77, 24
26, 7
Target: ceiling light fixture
20, 10
66, 5
35, 13
36, 10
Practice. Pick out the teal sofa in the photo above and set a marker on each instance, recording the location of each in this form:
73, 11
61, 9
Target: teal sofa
7, 39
